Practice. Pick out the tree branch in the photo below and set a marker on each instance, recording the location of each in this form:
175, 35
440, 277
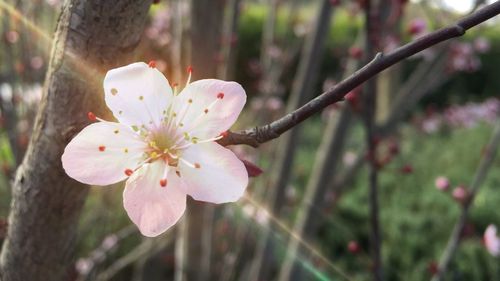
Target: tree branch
258, 135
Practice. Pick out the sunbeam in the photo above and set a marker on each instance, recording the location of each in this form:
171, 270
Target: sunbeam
310, 248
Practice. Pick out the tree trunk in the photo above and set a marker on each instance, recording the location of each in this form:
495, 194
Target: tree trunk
91, 37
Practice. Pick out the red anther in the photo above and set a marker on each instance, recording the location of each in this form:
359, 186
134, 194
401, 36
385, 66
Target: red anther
163, 182
206, 110
174, 85
91, 116
102, 148
152, 64
197, 165
220, 95
128, 172
224, 134
190, 69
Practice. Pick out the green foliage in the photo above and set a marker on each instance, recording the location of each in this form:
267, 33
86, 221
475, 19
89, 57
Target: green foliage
416, 218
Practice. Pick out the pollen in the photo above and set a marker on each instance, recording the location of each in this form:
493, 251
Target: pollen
163, 182
152, 64
220, 96
141, 97
197, 165
102, 148
114, 91
128, 172
91, 116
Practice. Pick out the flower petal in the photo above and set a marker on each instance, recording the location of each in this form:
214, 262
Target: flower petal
209, 107
219, 176
137, 94
101, 153
152, 207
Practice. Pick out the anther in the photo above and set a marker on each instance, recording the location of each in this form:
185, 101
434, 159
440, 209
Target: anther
197, 165
116, 131
178, 173
128, 172
141, 97
220, 96
206, 110
224, 134
102, 148
114, 91
91, 116
163, 182
190, 101
152, 64
190, 69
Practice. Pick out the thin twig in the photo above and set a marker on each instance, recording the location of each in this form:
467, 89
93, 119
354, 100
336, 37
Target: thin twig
258, 135
479, 176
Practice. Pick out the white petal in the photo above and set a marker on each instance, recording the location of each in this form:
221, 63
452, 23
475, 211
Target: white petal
221, 112
221, 176
152, 207
101, 153
137, 94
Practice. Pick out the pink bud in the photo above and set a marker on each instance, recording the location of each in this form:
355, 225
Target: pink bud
12, 36
407, 169
460, 194
417, 26
353, 247
355, 52
433, 268
442, 183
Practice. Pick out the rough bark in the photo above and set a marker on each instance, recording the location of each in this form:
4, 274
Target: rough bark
91, 37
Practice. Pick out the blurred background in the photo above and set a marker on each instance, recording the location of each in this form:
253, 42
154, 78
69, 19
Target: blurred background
307, 216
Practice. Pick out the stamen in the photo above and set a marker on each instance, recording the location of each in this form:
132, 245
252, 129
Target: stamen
220, 96
178, 173
189, 164
175, 86
190, 72
116, 131
114, 91
163, 182
91, 116
128, 172
152, 64
197, 165
102, 148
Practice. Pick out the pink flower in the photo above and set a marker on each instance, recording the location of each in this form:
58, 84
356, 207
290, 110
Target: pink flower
442, 183
491, 240
163, 145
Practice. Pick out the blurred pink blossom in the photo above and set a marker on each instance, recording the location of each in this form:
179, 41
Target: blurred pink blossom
491, 240
442, 183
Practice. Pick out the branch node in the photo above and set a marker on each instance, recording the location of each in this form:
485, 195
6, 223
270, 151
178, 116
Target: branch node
459, 29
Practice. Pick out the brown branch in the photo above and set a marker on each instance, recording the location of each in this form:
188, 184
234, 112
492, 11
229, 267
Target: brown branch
258, 135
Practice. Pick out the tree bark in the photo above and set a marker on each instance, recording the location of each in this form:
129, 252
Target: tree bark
91, 37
